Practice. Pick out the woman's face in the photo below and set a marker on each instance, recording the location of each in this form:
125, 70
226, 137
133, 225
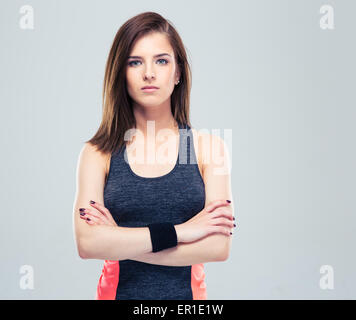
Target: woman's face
145, 68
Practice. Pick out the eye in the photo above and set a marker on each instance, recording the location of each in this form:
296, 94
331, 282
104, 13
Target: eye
166, 61
131, 62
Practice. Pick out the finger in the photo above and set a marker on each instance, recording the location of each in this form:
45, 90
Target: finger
92, 220
219, 229
223, 212
215, 204
94, 213
227, 219
223, 221
102, 209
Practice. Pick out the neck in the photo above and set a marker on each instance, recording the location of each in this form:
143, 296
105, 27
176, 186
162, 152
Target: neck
152, 119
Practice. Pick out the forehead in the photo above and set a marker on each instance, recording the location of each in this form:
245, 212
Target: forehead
152, 44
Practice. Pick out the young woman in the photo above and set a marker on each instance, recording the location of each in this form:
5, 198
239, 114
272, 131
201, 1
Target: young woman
118, 199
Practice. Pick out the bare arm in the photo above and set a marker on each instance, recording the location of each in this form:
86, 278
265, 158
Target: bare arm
101, 241
215, 247
185, 254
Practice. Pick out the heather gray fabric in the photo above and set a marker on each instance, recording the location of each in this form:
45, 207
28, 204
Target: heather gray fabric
136, 201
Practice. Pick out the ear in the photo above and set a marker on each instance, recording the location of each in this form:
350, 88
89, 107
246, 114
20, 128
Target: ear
177, 74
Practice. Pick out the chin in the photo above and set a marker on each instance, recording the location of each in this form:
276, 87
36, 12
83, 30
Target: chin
150, 104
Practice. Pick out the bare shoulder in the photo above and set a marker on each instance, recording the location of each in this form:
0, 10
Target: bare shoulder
92, 158
209, 147
201, 143
92, 164
90, 179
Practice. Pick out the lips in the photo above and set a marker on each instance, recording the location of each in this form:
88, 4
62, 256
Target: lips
149, 87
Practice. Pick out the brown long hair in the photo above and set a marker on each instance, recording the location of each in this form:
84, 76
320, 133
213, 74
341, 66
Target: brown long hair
118, 116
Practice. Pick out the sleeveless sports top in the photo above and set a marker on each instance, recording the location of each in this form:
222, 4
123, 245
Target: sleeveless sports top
136, 201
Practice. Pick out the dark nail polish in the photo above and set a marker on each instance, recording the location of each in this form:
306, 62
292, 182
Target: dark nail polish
82, 213
234, 225
228, 201
92, 202
88, 219
234, 218
81, 209
230, 232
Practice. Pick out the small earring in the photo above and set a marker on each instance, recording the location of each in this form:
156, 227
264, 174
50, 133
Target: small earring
177, 82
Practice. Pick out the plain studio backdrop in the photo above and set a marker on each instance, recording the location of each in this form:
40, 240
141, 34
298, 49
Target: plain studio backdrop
267, 70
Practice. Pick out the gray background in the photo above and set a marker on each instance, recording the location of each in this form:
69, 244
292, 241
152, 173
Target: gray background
264, 69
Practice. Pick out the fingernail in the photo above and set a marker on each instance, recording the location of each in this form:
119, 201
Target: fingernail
82, 213
228, 201
88, 219
92, 202
81, 209
230, 232
233, 218
234, 225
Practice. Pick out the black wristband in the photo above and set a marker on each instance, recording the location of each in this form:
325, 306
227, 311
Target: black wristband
163, 236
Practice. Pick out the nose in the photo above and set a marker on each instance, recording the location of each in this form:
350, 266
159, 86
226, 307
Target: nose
149, 74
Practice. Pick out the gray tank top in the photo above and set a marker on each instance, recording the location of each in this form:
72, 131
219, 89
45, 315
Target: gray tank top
135, 201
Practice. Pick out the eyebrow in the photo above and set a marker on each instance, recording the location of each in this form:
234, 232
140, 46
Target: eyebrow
156, 56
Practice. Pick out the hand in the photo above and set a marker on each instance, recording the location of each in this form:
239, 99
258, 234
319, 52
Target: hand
216, 217
97, 215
